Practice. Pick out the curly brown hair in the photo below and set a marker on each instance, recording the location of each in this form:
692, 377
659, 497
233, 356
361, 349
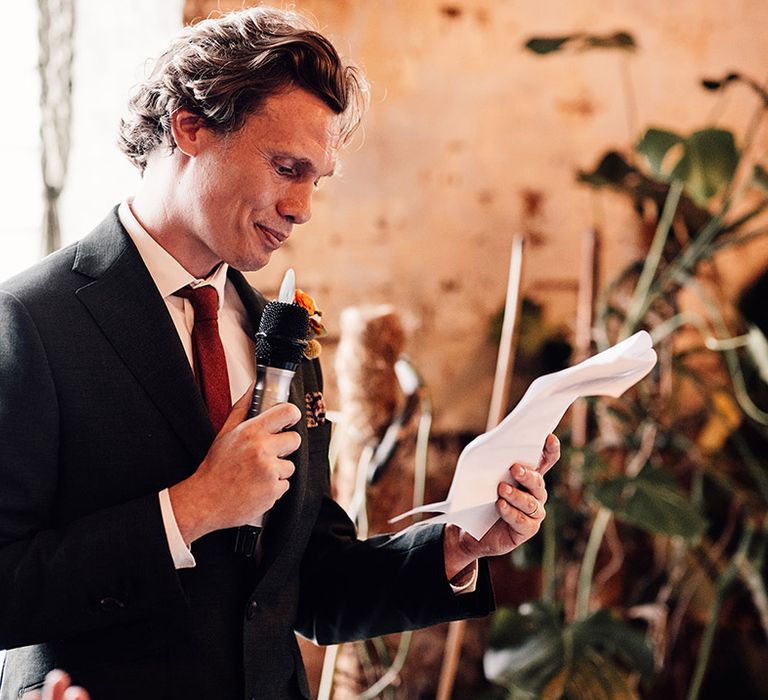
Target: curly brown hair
223, 69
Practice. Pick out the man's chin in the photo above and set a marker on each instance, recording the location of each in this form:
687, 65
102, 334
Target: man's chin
250, 262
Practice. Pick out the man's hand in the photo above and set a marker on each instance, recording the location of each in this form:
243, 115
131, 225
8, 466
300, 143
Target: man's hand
521, 510
243, 474
57, 686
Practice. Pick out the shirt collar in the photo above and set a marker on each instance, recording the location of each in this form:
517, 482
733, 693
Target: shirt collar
167, 273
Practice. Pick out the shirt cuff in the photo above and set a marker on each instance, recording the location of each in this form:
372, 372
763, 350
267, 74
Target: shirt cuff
182, 556
466, 580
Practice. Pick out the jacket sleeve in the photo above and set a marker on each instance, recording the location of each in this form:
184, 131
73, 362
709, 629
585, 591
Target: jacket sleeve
354, 589
60, 578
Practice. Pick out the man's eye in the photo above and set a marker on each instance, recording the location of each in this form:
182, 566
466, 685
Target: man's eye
285, 170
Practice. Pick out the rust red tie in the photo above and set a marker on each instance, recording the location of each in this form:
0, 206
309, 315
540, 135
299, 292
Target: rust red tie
208, 352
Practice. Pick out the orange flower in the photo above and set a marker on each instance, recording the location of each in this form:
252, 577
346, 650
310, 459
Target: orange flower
305, 301
316, 328
312, 351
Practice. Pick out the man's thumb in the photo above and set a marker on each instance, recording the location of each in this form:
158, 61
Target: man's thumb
239, 411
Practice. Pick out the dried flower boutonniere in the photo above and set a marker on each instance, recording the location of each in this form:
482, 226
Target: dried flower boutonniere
316, 327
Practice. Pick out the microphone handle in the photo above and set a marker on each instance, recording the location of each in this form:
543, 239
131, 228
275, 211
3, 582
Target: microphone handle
273, 385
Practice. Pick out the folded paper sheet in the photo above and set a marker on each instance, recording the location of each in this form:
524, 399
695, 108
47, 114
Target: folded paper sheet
471, 502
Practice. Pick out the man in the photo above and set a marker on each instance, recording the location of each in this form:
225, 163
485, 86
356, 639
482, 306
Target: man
122, 481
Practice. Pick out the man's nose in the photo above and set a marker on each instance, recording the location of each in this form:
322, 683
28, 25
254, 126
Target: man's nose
296, 204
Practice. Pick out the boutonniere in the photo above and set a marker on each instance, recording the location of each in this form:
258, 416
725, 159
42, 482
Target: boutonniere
316, 327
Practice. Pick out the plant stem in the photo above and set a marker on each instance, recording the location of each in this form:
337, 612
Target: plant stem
753, 581
746, 218
668, 327
687, 259
549, 561
587, 570
392, 673
723, 582
740, 240
751, 575
630, 104
640, 303
740, 392
751, 132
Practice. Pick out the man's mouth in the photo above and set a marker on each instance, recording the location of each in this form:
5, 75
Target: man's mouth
273, 238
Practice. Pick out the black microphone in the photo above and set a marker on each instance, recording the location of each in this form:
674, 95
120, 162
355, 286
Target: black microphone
280, 343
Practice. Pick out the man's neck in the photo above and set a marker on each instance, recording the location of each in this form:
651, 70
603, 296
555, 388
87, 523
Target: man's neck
156, 215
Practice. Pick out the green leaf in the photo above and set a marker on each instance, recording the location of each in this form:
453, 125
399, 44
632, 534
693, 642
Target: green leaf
591, 677
713, 84
594, 467
612, 169
654, 146
525, 648
547, 44
754, 85
527, 654
542, 45
620, 40
652, 502
527, 555
615, 639
512, 626
708, 164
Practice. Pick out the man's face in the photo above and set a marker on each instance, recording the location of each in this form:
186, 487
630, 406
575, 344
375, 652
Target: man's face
243, 192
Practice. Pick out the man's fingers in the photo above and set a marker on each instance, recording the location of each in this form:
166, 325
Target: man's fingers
274, 419
285, 469
56, 683
57, 687
550, 454
526, 503
279, 417
531, 481
522, 509
287, 443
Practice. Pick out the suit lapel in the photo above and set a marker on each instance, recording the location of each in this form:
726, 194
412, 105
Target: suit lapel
285, 516
123, 300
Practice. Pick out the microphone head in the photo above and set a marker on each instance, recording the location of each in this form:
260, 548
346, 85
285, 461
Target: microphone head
282, 335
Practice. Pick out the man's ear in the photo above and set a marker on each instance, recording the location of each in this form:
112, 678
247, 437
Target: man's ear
187, 129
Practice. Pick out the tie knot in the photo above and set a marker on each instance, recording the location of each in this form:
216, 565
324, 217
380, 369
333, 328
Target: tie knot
204, 300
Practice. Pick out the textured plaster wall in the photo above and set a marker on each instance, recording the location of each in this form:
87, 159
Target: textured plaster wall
470, 140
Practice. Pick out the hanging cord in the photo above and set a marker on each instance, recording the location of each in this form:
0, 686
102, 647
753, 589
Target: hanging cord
56, 29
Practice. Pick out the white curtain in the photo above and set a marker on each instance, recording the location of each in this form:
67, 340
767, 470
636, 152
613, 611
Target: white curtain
113, 42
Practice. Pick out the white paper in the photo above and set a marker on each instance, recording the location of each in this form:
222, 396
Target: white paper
471, 501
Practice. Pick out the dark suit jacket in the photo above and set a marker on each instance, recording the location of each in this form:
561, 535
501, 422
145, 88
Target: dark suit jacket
99, 410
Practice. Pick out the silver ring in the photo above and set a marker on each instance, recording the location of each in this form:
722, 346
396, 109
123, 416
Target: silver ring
535, 510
